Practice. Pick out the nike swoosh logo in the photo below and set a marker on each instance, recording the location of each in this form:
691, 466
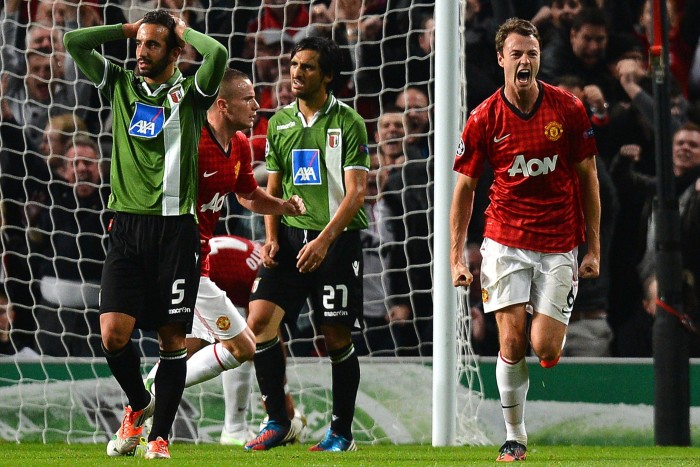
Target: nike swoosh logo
207, 174
509, 406
498, 140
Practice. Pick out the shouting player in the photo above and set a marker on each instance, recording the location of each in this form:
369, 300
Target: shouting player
544, 203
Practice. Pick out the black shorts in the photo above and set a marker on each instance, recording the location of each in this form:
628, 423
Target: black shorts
335, 288
152, 269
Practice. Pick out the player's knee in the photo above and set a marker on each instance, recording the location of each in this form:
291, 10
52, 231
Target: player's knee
242, 347
513, 348
547, 353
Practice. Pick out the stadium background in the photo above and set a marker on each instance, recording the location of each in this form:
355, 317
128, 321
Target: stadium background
47, 398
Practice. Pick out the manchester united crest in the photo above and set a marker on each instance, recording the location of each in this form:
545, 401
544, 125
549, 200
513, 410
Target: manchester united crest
223, 323
484, 295
553, 131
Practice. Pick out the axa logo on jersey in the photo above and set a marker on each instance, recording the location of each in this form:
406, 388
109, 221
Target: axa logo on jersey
147, 121
532, 167
306, 166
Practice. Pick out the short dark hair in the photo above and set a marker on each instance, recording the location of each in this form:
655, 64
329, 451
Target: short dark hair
329, 57
591, 16
230, 75
164, 18
518, 26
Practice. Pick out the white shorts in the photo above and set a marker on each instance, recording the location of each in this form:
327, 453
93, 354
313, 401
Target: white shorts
215, 316
548, 282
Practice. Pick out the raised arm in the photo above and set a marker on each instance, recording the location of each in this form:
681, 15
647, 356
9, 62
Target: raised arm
81, 44
211, 72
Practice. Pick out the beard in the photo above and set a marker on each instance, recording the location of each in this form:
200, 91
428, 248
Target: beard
156, 68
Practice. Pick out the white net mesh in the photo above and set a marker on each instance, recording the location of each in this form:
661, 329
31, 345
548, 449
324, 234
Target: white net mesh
53, 240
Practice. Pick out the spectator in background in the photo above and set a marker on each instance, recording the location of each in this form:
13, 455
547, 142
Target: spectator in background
636, 334
72, 251
281, 15
58, 133
589, 334
421, 61
634, 233
406, 220
417, 109
376, 338
390, 137
690, 232
554, 22
9, 344
269, 50
584, 55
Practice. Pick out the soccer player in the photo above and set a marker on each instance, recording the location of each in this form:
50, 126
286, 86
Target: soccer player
544, 203
151, 274
317, 149
225, 165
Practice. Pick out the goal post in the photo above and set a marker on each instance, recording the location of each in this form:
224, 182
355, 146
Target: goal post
444, 315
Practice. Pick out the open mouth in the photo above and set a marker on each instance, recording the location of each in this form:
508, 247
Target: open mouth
523, 76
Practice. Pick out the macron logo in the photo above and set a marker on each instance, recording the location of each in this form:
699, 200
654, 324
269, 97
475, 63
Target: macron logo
286, 126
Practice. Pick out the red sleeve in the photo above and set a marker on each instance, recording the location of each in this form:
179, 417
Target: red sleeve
471, 149
583, 137
245, 182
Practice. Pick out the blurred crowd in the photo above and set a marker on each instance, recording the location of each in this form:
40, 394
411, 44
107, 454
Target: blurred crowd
55, 148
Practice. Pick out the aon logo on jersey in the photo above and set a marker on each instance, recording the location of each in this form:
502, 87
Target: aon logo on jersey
306, 166
216, 203
532, 167
147, 121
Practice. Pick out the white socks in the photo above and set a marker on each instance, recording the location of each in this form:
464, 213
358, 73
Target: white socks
237, 385
513, 382
208, 363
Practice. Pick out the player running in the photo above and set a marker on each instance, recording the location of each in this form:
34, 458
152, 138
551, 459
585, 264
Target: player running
544, 203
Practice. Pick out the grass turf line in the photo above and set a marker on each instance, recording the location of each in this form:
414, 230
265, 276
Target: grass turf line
184, 454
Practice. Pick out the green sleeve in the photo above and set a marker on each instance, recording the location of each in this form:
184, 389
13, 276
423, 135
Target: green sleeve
211, 72
81, 45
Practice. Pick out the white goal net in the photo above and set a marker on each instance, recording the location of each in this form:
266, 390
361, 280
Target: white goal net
54, 383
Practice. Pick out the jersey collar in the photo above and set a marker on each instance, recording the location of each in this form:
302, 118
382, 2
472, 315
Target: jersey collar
174, 79
330, 102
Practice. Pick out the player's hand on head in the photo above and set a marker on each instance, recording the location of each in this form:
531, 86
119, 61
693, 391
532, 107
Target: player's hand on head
130, 29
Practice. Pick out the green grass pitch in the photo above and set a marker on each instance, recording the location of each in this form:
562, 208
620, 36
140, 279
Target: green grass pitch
206, 455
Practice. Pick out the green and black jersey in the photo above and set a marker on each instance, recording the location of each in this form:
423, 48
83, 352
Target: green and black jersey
155, 130
313, 159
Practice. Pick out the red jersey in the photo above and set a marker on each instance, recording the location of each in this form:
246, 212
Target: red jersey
220, 173
234, 263
535, 200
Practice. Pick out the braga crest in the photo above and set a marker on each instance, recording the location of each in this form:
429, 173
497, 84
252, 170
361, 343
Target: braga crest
147, 121
306, 166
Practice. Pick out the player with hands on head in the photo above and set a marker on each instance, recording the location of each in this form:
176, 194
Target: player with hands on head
544, 203
151, 273
316, 149
225, 165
